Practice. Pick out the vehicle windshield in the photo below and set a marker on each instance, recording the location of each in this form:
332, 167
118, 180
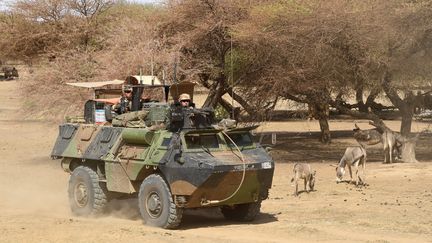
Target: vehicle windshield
198, 141
241, 139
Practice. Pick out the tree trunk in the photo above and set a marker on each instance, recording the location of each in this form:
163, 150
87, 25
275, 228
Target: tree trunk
234, 112
320, 112
408, 151
406, 123
359, 98
325, 131
243, 103
215, 94
406, 107
372, 96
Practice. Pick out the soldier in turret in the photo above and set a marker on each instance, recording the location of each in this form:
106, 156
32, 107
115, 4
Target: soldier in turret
123, 103
185, 100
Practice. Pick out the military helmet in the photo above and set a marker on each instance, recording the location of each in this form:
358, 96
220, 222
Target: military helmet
184, 96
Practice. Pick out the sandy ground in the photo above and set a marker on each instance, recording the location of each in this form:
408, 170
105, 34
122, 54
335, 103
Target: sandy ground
396, 207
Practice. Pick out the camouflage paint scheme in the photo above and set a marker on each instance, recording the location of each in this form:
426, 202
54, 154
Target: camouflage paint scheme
124, 157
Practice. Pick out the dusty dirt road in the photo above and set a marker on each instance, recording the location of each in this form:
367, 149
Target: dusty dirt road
396, 207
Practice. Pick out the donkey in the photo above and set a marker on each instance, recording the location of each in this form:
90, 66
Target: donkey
353, 156
303, 171
392, 141
390, 144
367, 137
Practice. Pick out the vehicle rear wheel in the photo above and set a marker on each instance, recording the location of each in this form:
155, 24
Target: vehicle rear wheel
87, 196
242, 212
156, 203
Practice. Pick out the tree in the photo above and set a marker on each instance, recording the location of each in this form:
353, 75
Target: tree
102, 43
51, 28
198, 33
322, 49
305, 53
400, 48
89, 10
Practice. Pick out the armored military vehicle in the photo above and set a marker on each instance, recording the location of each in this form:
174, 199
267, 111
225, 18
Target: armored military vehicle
8, 72
171, 157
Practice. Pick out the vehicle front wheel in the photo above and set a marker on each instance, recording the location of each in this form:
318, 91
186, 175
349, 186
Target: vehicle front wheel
86, 195
156, 203
242, 212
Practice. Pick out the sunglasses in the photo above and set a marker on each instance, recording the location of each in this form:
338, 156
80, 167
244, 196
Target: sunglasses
184, 100
127, 91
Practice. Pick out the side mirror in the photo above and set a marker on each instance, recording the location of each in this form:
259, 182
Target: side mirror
176, 145
108, 113
268, 148
89, 111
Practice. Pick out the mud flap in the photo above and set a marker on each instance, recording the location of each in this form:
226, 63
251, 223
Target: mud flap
117, 179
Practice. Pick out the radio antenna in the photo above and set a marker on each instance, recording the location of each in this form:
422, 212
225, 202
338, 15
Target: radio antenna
175, 71
140, 74
232, 79
152, 67
163, 76
175, 76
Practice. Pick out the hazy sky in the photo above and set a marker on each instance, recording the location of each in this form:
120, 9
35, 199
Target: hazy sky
4, 3
147, 1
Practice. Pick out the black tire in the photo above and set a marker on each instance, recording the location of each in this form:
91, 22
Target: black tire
156, 204
87, 197
242, 212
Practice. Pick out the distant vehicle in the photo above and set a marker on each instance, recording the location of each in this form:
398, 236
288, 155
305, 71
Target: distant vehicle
9, 73
170, 157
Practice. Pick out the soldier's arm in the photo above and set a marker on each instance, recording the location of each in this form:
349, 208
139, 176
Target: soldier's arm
111, 101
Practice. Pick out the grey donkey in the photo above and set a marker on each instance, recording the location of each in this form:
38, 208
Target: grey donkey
353, 156
392, 141
303, 171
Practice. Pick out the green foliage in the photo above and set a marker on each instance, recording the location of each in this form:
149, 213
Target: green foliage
221, 113
236, 60
131, 10
273, 14
278, 9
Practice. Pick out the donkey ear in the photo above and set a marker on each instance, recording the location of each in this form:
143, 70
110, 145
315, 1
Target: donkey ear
356, 127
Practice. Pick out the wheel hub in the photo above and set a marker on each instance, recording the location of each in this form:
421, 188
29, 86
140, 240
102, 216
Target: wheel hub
81, 195
154, 205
